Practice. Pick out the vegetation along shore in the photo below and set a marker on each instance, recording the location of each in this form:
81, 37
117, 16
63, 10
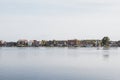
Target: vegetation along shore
105, 42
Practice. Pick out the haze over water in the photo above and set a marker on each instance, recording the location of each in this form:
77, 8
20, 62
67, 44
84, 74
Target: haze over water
59, 64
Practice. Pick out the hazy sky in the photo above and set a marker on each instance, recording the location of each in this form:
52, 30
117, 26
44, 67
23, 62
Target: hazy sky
59, 19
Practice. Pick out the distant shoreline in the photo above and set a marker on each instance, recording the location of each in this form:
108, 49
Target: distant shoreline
105, 42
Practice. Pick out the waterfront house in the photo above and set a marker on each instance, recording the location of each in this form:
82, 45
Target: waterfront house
97, 43
113, 44
30, 43
35, 43
22, 43
88, 43
2, 43
11, 44
40, 43
118, 42
43, 43
73, 43
50, 43
62, 43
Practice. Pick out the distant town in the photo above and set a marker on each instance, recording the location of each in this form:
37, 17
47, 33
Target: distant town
61, 43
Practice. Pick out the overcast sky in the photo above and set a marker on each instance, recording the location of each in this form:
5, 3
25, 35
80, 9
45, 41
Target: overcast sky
59, 19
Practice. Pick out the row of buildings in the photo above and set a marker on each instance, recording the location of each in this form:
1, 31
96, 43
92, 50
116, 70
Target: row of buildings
57, 43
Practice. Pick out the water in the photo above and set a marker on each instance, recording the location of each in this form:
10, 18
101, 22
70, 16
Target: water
59, 64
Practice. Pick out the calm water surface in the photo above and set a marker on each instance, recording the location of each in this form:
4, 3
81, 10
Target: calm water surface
59, 64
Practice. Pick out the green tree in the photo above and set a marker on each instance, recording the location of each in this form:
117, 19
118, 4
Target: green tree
105, 41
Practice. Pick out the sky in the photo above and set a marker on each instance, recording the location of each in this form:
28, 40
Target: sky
59, 19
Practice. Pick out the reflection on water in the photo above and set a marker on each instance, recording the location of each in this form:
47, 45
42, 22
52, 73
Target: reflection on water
59, 63
106, 48
106, 55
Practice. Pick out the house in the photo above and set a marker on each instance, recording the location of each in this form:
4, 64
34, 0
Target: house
43, 43
22, 43
118, 42
2, 43
88, 43
73, 43
61, 43
114, 44
50, 43
97, 43
35, 43
30, 43
11, 44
